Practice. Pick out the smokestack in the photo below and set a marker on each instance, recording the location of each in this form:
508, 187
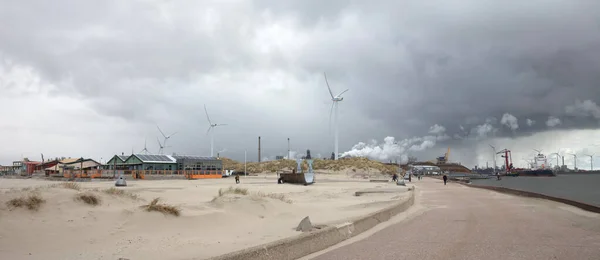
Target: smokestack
259, 149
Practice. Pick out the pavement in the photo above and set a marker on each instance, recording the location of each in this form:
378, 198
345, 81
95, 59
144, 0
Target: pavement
457, 222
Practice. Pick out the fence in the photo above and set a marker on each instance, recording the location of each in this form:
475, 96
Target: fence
140, 174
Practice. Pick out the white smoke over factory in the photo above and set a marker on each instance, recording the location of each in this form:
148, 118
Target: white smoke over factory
391, 149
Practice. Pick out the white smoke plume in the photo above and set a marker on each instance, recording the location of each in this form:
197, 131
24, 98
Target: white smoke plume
391, 149
530, 122
584, 109
511, 121
553, 121
293, 155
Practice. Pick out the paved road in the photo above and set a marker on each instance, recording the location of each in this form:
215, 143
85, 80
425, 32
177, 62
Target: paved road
466, 223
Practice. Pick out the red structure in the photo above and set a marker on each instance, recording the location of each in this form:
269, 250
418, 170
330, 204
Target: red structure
507, 160
30, 166
48, 164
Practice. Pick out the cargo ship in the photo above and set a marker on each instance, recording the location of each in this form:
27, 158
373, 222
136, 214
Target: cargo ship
538, 167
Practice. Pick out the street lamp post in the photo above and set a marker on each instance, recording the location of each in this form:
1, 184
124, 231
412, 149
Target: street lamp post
289, 158
245, 173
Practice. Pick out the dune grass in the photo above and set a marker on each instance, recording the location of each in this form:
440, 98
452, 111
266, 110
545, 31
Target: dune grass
67, 185
363, 164
277, 196
244, 191
163, 208
32, 202
232, 190
88, 198
121, 193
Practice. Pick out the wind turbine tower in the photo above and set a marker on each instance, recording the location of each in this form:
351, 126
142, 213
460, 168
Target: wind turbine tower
591, 161
212, 133
334, 106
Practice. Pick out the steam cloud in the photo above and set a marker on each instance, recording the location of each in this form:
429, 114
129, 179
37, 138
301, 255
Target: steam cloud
530, 122
391, 149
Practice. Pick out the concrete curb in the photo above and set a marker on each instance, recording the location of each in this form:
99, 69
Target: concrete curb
523, 193
311, 242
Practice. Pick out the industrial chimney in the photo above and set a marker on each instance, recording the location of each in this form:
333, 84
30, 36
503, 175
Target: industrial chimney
259, 149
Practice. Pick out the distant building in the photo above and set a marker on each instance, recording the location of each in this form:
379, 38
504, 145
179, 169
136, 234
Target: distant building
163, 162
279, 157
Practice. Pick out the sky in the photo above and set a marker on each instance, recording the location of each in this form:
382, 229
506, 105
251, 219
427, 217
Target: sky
95, 78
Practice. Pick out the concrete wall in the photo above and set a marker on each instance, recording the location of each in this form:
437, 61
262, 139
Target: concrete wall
522, 193
311, 242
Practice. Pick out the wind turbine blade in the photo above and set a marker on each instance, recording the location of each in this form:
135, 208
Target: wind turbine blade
339, 95
172, 135
221, 124
206, 111
326, 82
161, 132
208, 131
159, 144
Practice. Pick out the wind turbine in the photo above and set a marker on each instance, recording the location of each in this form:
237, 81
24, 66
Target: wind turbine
211, 126
145, 151
574, 161
591, 161
161, 147
164, 145
335, 104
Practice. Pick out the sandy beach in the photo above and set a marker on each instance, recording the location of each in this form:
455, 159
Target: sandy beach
208, 224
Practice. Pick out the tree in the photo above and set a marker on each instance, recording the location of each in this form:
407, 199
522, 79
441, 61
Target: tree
332, 156
308, 154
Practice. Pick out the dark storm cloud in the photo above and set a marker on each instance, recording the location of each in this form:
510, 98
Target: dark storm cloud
409, 64
444, 63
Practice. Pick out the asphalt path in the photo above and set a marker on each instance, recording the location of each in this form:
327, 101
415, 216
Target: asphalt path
457, 222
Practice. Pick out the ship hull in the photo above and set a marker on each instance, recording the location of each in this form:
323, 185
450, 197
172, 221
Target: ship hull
535, 173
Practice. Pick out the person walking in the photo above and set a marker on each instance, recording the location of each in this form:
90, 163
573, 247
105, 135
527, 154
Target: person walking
395, 177
445, 179
237, 179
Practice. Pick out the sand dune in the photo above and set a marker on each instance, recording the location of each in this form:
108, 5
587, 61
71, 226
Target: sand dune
209, 225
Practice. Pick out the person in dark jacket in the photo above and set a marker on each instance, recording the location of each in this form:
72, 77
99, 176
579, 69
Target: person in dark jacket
445, 179
237, 179
395, 177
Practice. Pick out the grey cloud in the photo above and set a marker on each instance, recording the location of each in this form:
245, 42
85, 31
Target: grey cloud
511, 121
460, 65
553, 121
584, 109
